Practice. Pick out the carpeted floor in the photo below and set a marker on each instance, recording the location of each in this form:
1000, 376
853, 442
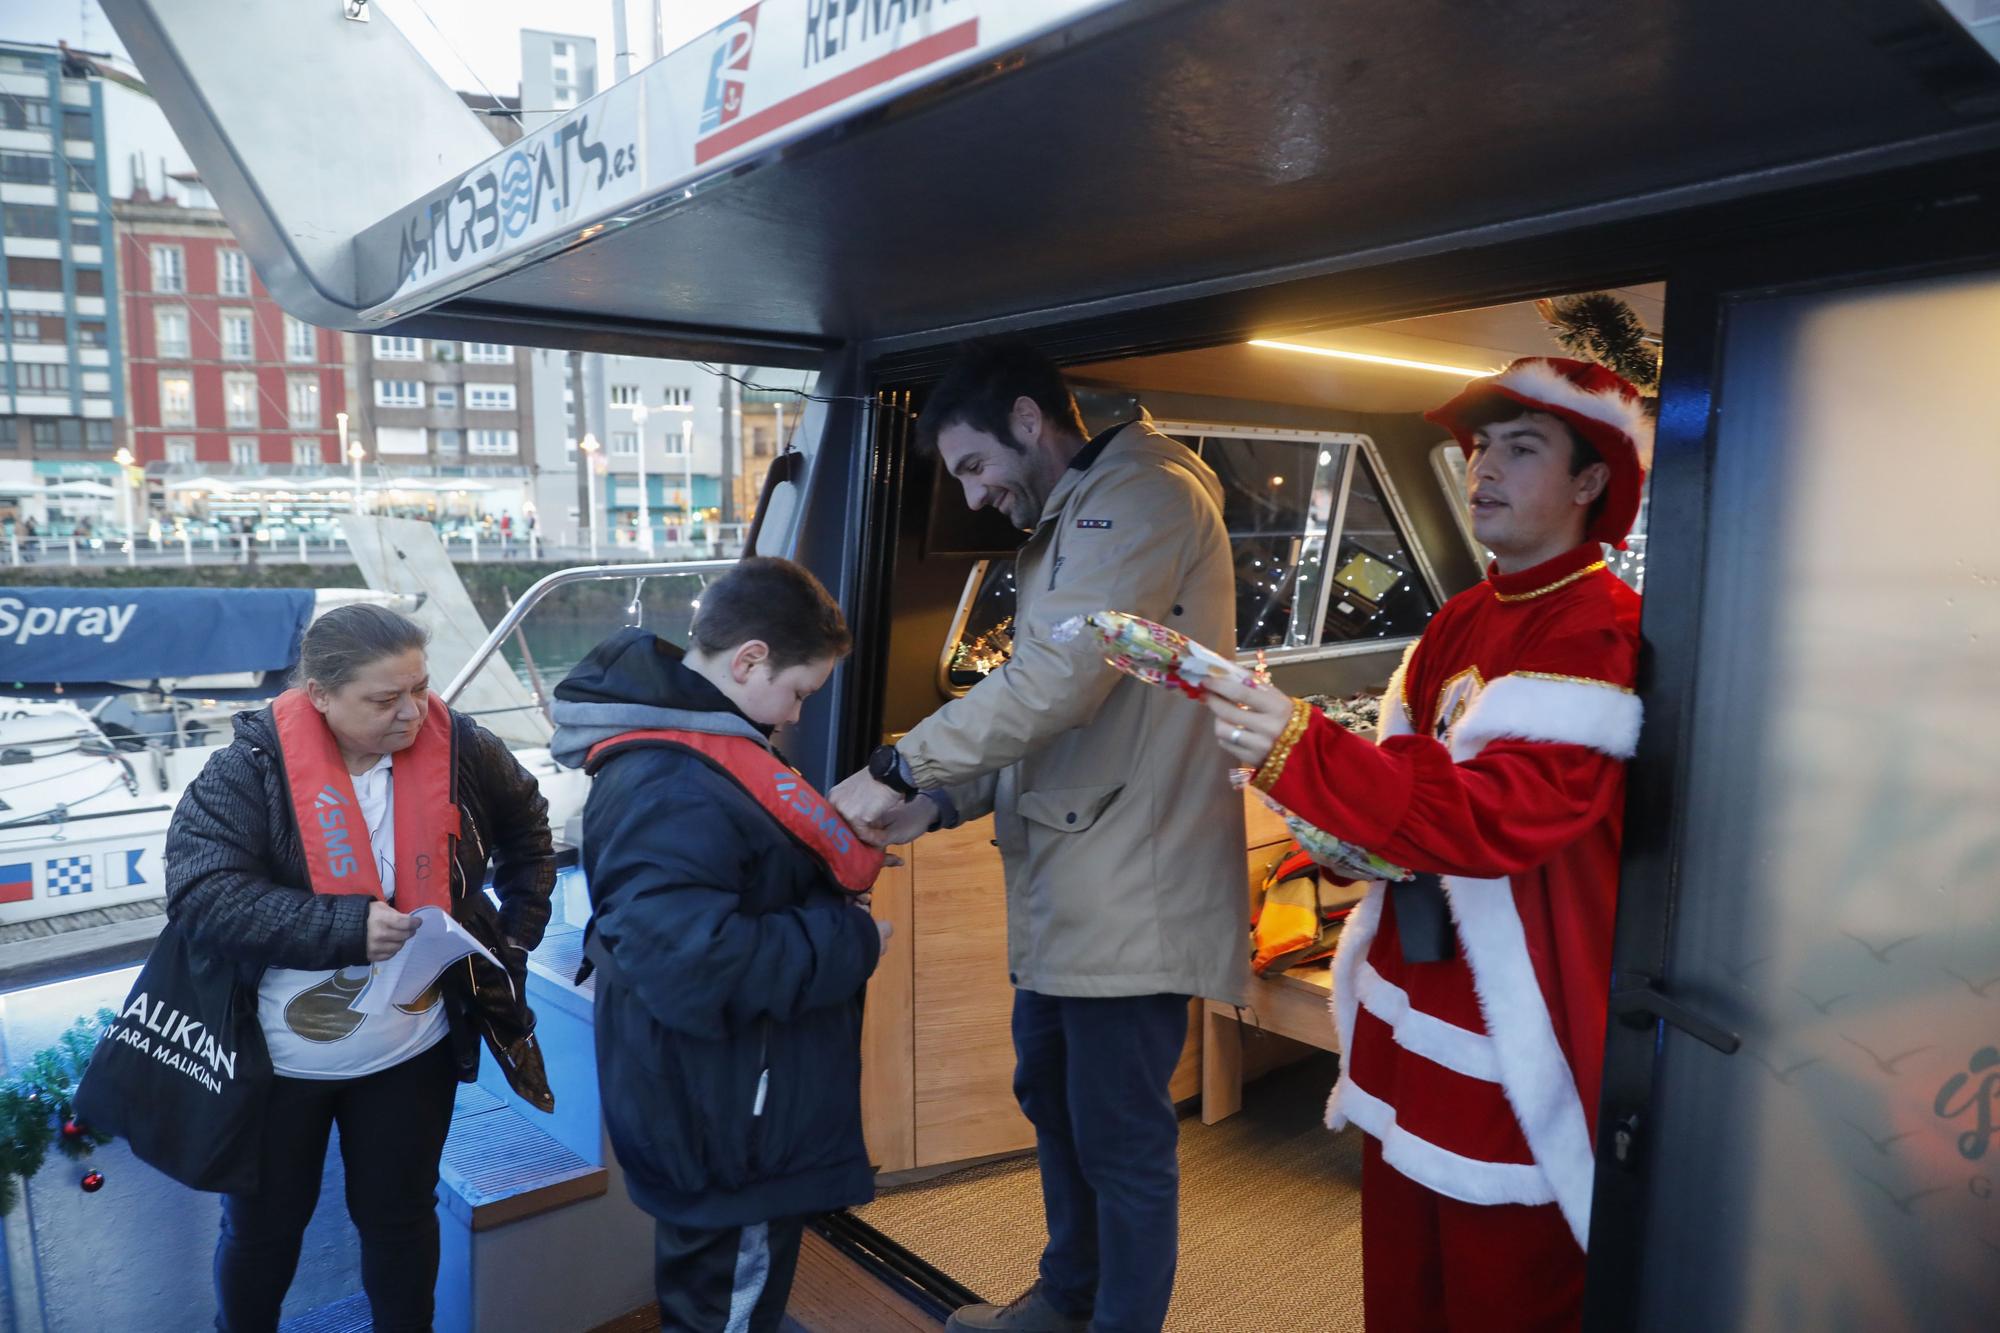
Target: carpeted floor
1270, 1217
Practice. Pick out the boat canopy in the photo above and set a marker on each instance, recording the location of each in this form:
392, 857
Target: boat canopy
94, 641
815, 173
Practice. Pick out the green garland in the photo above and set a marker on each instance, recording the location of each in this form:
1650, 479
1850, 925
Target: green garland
35, 1107
1597, 326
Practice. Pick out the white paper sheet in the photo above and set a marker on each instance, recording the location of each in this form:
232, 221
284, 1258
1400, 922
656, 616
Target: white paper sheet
409, 972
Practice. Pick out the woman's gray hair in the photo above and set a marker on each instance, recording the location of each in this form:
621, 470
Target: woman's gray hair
344, 640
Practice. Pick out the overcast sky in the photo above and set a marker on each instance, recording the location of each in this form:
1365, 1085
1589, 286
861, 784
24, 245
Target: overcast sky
469, 42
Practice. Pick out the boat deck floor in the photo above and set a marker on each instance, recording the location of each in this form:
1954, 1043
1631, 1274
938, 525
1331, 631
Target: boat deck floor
831, 1294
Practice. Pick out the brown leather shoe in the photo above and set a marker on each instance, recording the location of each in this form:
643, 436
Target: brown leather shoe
1030, 1312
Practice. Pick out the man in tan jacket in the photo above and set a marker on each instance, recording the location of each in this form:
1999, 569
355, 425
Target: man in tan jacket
1121, 836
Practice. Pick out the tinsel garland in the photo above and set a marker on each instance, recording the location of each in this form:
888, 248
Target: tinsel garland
1599, 327
36, 1113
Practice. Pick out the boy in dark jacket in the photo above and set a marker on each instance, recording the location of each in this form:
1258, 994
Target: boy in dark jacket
730, 948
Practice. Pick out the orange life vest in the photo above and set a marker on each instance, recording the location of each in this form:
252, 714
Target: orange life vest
786, 797
339, 856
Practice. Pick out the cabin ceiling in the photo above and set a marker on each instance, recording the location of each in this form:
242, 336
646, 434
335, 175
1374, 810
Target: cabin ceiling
1201, 142
1475, 340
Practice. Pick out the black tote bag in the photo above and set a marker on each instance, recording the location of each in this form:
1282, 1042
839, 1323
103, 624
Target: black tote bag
183, 1074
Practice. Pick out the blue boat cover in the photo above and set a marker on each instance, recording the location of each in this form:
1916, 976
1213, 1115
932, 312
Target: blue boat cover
84, 639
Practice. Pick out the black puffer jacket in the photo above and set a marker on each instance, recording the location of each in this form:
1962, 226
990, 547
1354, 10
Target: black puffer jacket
731, 966
236, 873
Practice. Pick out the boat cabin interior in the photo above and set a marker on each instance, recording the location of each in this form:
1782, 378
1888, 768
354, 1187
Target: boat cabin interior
1283, 232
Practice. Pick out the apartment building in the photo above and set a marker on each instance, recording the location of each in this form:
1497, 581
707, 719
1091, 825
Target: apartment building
220, 378
62, 407
430, 408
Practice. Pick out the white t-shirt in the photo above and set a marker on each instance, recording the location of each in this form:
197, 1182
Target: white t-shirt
307, 1025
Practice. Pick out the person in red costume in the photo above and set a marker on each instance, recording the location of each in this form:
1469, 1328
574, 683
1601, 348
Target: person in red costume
1470, 1000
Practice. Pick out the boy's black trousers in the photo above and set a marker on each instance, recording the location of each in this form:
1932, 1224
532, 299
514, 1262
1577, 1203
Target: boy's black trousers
735, 1280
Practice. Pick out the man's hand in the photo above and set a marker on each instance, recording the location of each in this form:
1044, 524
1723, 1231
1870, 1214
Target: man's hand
872, 807
911, 821
388, 931
1249, 718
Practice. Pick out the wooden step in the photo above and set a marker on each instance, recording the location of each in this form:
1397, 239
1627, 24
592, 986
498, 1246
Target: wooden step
499, 1168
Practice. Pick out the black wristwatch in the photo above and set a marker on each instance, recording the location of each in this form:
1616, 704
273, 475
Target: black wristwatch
886, 767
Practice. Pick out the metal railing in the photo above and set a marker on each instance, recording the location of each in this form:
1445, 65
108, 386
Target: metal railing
562, 578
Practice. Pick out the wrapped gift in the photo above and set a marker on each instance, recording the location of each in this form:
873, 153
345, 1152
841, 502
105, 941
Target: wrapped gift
1152, 652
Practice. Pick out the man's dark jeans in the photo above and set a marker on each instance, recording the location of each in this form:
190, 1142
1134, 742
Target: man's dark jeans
1092, 1076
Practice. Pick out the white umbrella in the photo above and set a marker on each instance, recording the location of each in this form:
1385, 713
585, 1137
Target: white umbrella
96, 488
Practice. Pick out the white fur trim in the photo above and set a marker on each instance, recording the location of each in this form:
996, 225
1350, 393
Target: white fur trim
1528, 1060
1349, 956
1458, 1049
1395, 716
1533, 1069
1535, 378
1466, 1179
1526, 707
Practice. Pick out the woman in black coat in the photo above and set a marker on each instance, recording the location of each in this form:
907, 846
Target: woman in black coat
401, 803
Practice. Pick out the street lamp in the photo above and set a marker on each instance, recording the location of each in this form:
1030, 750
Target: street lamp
687, 494
589, 450
645, 510
123, 458
353, 453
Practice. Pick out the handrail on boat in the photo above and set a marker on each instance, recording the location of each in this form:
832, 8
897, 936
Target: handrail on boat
562, 577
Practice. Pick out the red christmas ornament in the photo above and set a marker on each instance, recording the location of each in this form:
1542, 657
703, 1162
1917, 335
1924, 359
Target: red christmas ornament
93, 1182
72, 1128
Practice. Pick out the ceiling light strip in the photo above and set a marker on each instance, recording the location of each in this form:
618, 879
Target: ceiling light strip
1400, 363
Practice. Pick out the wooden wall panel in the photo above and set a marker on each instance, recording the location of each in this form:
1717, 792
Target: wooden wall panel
888, 1029
964, 1081
1261, 824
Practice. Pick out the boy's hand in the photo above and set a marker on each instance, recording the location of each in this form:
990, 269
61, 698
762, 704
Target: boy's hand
885, 930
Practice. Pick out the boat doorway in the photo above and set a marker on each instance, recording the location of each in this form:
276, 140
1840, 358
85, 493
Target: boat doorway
1344, 509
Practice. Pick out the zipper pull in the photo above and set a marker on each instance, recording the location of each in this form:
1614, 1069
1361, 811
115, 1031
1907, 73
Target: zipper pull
763, 1087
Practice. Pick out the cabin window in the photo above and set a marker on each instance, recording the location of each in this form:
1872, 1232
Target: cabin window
982, 637
1320, 553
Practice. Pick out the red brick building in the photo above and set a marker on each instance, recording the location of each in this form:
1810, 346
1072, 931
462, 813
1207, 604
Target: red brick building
218, 378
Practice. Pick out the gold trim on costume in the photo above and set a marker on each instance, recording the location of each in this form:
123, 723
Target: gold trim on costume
1573, 680
1560, 583
1274, 763
1442, 726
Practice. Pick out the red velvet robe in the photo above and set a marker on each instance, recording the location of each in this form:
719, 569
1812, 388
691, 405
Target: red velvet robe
1501, 768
